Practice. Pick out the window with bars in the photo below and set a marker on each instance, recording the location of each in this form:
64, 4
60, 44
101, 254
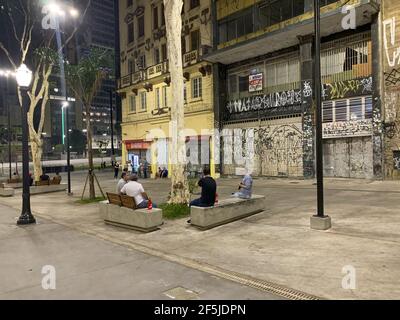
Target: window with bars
279, 74
347, 58
344, 110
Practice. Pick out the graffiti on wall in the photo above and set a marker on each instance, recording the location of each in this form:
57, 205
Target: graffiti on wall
346, 129
389, 42
283, 150
266, 101
392, 78
396, 160
348, 88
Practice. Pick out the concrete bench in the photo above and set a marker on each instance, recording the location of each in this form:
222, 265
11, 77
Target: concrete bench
48, 188
12, 185
6, 192
140, 219
226, 211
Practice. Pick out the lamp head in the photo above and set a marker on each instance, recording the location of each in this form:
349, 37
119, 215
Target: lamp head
24, 76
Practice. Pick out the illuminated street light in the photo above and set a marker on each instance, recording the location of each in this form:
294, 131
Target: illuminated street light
73, 12
24, 80
24, 76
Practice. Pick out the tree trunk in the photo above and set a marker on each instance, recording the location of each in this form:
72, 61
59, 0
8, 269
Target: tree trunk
37, 152
92, 192
179, 185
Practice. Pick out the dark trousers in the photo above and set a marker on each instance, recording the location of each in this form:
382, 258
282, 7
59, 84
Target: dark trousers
116, 171
144, 204
198, 203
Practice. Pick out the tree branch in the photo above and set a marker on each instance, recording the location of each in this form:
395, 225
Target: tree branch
7, 53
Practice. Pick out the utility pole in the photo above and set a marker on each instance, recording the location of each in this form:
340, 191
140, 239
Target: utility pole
112, 125
9, 131
319, 221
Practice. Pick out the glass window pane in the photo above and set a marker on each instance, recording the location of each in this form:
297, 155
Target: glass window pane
368, 108
231, 30
244, 83
327, 112
356, 109
341, 110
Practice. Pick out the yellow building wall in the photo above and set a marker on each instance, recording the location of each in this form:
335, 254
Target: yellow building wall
142, 124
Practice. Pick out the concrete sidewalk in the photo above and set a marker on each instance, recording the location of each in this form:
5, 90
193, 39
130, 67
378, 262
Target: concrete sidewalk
89, 268
276, 245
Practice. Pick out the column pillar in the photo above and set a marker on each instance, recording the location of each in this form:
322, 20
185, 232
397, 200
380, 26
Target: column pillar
377, 117
306, 71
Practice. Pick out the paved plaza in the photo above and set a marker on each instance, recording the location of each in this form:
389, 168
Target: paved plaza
276, 246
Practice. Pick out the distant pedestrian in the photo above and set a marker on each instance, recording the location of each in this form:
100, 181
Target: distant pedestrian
116, 170
145, 169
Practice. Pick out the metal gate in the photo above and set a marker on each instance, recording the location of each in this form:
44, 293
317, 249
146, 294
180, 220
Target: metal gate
348, 158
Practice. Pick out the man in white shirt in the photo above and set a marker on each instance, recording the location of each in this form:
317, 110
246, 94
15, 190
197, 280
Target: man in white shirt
122, 182
135, 189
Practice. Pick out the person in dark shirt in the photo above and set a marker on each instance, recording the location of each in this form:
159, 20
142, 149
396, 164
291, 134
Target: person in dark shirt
44, 177
208, 191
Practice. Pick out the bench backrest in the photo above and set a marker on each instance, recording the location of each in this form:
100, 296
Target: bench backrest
128, 202
114, 199
14, 181
42, 183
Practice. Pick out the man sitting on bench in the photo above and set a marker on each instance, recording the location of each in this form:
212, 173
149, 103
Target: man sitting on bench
245, 187
208, 191
135, 190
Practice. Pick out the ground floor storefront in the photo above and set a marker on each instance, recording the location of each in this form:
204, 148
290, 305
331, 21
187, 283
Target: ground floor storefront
151, 142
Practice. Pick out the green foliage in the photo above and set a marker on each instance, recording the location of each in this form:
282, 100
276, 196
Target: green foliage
85, 78
175, 211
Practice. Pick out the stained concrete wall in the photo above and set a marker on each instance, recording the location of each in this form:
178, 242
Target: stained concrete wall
391, 83
271, 148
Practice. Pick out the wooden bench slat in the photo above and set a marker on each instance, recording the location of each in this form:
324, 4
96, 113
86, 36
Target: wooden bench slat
128, 202
114, 199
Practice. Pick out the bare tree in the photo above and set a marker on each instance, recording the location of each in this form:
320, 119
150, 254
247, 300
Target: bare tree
179, 185
37, 53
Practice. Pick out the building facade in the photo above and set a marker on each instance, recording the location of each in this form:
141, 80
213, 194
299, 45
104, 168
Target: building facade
99, 32
145, 84
263, 53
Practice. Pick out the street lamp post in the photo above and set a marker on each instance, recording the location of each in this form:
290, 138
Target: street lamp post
319, 221
68, 150
24, 79
112, 127
9, 134
57, 13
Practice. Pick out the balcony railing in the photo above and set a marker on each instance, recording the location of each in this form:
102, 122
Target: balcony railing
157, 70
190, 58
131, 79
